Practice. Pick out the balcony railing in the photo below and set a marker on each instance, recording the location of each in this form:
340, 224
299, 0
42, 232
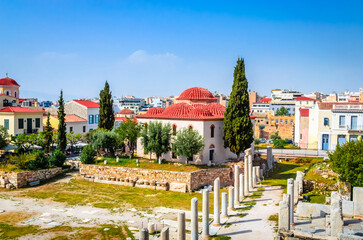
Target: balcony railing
351, 128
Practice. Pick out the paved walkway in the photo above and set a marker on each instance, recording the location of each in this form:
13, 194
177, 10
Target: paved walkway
255, 225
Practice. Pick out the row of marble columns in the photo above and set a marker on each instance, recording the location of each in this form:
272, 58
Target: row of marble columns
286, 212
243, 185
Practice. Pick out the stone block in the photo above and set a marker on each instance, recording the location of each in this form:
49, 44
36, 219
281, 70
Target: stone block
178, 187
348, 208
336, 222
358, 202
312, 209
284, 217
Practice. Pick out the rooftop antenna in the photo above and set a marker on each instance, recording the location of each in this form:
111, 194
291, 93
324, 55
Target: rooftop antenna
6, 74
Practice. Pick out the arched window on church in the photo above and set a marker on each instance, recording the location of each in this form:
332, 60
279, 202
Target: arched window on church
212, 131
8, 93
15, 94
174, 130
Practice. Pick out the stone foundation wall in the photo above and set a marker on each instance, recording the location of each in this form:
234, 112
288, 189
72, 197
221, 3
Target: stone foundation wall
155, 179
22, 179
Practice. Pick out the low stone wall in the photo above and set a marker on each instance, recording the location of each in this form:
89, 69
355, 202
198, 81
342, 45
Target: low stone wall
21, 179
155, 179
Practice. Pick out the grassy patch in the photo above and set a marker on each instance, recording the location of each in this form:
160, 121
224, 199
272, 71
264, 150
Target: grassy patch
227, 225
82, 192
220, 238
149, 164
13, 232
287, 169
315, 197
274, 218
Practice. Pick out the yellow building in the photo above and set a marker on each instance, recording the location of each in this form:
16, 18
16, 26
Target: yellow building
21, 120
73, 123
13, 117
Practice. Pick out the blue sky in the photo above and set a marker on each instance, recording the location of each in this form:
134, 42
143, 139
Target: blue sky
153, 48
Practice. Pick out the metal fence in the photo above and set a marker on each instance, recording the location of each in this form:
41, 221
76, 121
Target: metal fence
298, 152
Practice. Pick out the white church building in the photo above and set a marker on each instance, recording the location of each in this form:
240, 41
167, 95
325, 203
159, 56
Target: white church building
195, 108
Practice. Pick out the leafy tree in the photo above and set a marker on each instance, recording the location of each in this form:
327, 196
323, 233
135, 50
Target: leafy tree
73, 138
3, 136
347, 161
39, 161
106, 114
128, 132
257, 141
104, 141
23, 142
238, 132
156, 139
62, 139
48, 135
282, 111
57, 158
280, 143
88, 155
188, 142
275, 136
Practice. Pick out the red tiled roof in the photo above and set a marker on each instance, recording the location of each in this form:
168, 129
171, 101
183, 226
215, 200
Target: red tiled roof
74, 118
305, 99
8, 81
126, 111
265, 100
20, 110
304, 112
353, 101
88, 103
119, 119
196, 93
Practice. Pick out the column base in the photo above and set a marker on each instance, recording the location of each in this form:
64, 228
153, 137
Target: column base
237, 203
205, 237
216, 224
224, 216
231, 209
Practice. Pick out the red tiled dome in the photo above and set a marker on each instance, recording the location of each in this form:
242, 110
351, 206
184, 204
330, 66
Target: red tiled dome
177, 110
126, 111
196, 93
216, 109
8, 81
154, 111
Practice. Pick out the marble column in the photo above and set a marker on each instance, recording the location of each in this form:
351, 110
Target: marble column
246, 187
250, 165
181, 226
144, 234
224, 205
164, 235
205, 220
230, 199
241, 187
290, 191
194, 219
236, 184
217, 202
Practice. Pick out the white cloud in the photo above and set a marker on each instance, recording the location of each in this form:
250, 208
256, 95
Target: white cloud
142, 57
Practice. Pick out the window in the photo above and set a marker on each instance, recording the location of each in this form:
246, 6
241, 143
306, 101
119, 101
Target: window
212, 131
21, 123
96, 118
341, 139
354, 122
281, 120
70, 129
84, 128
91, 119
291, 121
286, 121
37, 123
174, 129
326, 121
341, 121
353, 137
300, 135
8, 93
6, 124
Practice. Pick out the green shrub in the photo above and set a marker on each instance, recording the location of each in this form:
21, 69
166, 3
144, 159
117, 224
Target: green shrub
257, 141
347, 161
88, 155
279, 143
57, 159
21, 160
40, 161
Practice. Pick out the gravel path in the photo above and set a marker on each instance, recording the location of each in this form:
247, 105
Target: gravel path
255, 225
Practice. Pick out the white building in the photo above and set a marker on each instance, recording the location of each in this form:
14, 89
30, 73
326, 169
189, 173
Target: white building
301, 103
260, 107
85, 109
195, 108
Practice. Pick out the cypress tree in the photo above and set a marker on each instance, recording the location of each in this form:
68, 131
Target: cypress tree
62, 138
238, 132
48, 135
106, 114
